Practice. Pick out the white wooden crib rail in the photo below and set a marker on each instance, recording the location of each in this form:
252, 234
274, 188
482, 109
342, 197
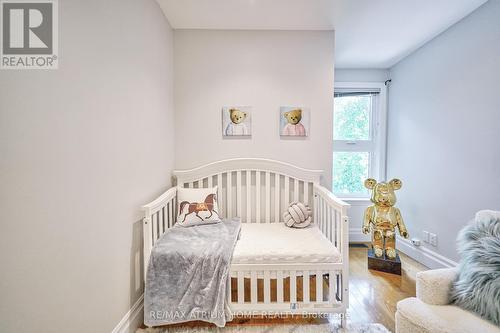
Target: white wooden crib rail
333, 221
331, 216
159, 215
254, 189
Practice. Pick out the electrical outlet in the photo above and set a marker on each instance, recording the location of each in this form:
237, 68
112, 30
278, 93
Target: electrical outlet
433, 239
425, 236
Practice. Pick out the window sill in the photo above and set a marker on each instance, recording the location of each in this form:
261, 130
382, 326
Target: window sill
357, 201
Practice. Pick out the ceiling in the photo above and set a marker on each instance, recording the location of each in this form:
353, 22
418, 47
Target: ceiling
369, 33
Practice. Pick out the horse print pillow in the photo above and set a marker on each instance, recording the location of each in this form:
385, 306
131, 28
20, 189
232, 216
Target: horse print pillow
197, 206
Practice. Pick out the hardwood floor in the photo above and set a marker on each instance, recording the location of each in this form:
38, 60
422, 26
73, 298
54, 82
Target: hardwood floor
373, 295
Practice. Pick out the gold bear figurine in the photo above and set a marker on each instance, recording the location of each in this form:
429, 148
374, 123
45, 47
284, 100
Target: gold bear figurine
384, 217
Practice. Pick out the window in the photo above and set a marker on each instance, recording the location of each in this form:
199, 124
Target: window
358, 137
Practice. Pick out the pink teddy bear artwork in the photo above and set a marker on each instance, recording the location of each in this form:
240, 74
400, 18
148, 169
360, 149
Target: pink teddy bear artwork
293, 127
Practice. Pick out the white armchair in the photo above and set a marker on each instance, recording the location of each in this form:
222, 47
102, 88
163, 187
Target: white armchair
430, 311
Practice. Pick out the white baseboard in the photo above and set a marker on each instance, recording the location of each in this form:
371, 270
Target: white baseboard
357, 236
423, 255
132, 319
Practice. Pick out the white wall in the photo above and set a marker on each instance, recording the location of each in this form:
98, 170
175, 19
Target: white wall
444, 128
81, 148
264, 69
361, 75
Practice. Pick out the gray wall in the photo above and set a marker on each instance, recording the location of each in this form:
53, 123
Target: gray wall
81, 148
444, 127
264, 69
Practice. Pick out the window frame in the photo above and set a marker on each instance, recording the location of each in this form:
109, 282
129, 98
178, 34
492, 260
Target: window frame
377, 146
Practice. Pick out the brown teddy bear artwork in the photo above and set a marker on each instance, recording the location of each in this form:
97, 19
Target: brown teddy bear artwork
235, 121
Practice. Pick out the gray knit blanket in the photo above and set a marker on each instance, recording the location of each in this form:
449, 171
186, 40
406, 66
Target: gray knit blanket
188, 273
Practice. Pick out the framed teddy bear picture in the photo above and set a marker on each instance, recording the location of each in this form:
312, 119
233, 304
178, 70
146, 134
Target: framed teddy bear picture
294, 121
237, 121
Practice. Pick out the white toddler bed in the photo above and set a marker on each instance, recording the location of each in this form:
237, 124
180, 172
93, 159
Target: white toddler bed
275, 269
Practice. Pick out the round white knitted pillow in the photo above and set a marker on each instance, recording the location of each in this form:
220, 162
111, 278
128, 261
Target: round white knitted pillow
297, 215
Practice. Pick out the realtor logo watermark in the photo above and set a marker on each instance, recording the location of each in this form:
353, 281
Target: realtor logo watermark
29, 34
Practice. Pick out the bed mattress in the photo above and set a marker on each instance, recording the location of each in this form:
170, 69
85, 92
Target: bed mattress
272, 243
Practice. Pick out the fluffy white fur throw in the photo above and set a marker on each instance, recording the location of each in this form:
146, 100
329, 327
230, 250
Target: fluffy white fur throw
477, 287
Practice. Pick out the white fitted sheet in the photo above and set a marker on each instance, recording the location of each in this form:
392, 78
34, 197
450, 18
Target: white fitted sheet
272, 243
